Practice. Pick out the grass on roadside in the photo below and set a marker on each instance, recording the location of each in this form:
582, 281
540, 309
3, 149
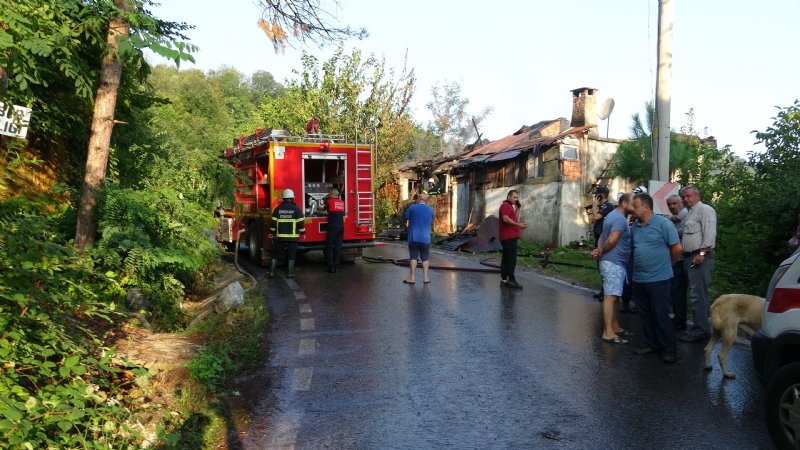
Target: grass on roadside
235, 344
571, 263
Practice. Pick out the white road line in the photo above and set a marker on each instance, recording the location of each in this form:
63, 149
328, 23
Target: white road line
307, 347
301, 378
292, 284
283, 432
305, 308
299, 295
307, 325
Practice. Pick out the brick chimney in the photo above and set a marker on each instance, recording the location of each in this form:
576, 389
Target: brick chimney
583, 109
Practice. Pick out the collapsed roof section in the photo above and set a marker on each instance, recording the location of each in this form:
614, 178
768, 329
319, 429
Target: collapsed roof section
527, 139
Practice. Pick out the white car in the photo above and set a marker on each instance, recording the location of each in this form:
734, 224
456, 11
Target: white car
776, 354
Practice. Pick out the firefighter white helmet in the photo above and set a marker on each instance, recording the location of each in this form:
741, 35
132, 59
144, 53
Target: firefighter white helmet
288, 193
640, 190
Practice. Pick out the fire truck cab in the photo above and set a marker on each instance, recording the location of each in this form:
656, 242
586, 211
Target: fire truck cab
270, 161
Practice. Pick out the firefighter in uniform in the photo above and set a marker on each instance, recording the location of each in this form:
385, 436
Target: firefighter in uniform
333, 241
287, 225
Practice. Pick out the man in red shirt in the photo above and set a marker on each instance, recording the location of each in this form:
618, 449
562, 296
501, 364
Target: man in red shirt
333, 242
510, 231
312, 127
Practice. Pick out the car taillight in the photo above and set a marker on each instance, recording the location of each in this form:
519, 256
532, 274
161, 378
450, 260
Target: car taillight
784, 299
776, 277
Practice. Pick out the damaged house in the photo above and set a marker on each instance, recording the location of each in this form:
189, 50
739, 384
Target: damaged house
554, 164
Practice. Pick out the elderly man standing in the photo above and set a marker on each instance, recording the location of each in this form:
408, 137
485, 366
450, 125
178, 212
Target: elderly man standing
699, 239
679, 281
656, 248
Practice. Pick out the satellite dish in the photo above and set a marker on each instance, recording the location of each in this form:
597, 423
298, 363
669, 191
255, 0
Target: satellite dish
605, 109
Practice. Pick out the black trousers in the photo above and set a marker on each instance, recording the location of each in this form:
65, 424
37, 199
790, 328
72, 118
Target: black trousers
509, 262
286, 249
333, 246
652, 303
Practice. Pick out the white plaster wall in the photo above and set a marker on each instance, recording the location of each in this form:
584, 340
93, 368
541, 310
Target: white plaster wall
574, 220
540, 209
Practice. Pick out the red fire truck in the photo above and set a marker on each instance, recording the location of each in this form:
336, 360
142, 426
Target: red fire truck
270, 161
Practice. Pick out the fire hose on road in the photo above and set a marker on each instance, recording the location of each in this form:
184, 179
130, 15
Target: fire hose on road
406, 262
486, 262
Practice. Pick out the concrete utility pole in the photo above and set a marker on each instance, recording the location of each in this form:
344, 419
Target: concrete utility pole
660, 139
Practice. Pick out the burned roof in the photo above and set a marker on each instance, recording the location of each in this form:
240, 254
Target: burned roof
527, 138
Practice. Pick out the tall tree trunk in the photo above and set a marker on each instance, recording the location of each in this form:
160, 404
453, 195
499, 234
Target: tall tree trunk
102, 124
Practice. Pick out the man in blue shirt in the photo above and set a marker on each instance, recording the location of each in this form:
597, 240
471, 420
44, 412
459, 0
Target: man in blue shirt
656, 247
420, 220
613, 251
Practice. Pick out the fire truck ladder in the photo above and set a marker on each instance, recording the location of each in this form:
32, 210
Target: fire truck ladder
365, 198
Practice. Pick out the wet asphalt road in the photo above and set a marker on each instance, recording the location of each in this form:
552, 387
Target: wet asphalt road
360, 360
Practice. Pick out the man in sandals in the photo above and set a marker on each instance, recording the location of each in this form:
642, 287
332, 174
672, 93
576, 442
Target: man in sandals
613, 251
420, 220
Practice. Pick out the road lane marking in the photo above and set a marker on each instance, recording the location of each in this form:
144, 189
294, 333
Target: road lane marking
305, 308
283, 433
301, 378
292, 284
306, 324
307, 347
299, 295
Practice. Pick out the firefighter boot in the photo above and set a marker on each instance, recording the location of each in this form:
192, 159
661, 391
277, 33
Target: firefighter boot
290, 268
273, 263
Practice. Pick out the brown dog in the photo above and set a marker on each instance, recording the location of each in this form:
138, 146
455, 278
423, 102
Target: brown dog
727, 312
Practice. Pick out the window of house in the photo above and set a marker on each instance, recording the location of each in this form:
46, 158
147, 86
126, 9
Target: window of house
569, 152
412, 187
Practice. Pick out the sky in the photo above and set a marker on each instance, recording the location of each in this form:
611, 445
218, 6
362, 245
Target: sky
733, 61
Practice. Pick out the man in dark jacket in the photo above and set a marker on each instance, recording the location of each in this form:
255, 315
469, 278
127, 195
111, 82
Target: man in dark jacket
287, 225
333, 241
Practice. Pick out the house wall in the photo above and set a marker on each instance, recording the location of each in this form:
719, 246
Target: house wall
540, 208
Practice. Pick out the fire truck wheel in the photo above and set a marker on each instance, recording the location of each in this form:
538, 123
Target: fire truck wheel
254, 244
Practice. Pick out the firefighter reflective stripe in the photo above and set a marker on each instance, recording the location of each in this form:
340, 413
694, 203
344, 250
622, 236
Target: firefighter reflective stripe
287, 221
287, 228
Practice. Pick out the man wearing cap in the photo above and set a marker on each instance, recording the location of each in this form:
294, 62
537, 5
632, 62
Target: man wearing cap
287, 225
602, 207
699, 239
335, 231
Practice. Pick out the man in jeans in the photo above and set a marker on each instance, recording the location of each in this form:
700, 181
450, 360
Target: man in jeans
510, 232
699, 239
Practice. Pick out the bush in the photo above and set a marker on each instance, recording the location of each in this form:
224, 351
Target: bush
58, 387
156, 241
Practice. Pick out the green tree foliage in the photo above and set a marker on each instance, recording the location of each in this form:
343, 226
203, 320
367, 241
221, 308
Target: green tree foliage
351, 94
58, 387
451, 122
758, 205
634, 158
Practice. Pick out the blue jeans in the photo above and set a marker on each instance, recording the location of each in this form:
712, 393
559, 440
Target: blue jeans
652, 302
